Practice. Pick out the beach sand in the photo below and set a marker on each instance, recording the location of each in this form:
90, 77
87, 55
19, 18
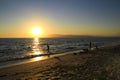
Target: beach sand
101, 64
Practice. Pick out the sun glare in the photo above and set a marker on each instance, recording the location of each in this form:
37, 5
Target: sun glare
36, 31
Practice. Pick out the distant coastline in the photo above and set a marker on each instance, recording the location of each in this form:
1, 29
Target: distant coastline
66, 36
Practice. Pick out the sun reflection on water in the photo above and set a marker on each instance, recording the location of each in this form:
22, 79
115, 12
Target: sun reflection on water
37, 58
36, 43
37, 50
37, 53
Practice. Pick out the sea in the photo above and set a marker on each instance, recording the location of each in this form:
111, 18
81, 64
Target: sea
15, 51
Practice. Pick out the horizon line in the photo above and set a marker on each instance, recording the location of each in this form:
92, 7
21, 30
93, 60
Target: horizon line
68, 36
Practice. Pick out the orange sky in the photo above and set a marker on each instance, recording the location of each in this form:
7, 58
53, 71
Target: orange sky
76, 17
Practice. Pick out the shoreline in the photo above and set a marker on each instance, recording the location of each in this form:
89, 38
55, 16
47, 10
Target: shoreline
98, 64
15, 62
30, 59
27, 59
33, 59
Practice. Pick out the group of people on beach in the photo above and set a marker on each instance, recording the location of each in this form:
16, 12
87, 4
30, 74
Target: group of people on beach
95, 45
49, 53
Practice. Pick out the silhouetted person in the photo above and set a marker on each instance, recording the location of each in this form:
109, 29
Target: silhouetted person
48, 50
90, 45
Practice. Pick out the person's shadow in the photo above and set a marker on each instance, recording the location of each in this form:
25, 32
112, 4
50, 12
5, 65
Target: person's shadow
58, 58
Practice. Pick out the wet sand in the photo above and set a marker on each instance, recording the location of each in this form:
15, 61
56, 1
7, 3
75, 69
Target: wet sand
101, 64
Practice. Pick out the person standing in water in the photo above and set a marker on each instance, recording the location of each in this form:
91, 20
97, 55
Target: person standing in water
48, 50
90, 45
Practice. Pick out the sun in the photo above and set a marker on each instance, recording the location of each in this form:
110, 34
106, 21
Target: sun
36, 31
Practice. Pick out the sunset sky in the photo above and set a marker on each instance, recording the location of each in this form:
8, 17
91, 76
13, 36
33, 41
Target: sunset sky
59, 17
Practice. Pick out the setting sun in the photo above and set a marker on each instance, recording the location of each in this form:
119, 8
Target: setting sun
36, 31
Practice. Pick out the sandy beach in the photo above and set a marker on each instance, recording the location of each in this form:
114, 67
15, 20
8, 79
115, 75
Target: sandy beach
101, 64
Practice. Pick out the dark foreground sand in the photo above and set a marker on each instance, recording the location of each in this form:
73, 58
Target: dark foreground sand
101, 64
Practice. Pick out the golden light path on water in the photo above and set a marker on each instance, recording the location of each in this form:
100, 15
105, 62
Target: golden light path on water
37, 51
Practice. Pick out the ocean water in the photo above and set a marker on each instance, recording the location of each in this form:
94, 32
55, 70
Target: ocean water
12, 49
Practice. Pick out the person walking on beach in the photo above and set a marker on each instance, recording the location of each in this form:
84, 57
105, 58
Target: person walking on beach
48, 50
